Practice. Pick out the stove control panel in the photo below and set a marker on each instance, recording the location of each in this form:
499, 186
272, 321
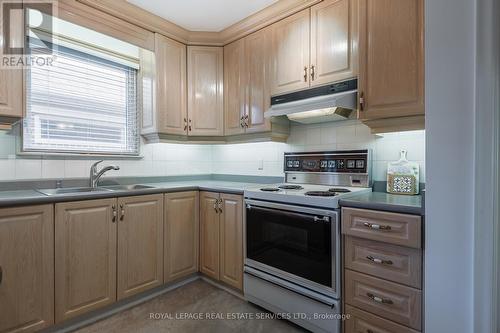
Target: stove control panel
344, 161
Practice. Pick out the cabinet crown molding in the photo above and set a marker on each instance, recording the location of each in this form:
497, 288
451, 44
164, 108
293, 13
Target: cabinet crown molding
147, 20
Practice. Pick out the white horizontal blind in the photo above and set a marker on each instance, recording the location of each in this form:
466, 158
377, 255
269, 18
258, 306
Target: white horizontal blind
81, 104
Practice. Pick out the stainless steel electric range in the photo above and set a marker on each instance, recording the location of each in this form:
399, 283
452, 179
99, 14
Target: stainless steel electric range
292, 236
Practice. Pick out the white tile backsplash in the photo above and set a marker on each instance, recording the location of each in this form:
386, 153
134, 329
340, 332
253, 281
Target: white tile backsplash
243, 158
264, 158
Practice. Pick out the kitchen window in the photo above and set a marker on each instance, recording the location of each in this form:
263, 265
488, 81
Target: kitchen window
86, 102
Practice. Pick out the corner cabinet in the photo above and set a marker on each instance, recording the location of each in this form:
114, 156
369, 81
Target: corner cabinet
315, 46
391, 59
221, 233
26, 268
181, 235
205, 91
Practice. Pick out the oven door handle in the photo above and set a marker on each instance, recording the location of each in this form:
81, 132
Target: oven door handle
325, 219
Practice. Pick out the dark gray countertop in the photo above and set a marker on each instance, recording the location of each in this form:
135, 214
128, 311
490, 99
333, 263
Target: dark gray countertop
408, 204
32, 197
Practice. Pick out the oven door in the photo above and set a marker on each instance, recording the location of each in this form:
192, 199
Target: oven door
298, 244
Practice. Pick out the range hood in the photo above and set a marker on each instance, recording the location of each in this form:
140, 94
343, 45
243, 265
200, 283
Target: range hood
332, 102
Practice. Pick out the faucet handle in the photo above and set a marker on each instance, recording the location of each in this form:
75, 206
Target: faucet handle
94, 165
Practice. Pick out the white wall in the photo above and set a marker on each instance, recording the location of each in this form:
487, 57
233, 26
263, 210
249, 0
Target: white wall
449, 85
249, 158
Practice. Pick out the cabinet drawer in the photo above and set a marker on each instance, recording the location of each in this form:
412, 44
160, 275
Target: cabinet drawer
386, 299
390, 262
399, 229
364, 322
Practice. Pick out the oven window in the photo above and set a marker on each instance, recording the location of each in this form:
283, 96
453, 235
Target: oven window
291, 242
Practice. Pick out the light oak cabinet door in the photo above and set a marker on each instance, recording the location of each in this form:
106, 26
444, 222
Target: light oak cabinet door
171, 95
140, 244
391, 58
85, 256
209, 234
26, 268
258, 68
11, 85
181, 235
235, 103
333, 41
205, 92
290, 38
231, 240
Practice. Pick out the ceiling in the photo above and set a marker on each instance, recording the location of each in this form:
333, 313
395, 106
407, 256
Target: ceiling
203, 15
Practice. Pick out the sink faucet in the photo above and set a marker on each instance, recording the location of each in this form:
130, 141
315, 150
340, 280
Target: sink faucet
94, 175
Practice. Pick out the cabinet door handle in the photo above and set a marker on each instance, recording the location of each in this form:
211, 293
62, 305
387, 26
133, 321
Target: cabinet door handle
1, 275
215, 206
379, 299
114, 214
185, 124
379, 261
377, 226
305, 73
246, 121
312, 73
190, 121
241, 122
122, 212
220, 205
361, 101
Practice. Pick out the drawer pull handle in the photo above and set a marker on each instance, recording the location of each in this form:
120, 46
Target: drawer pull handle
377, 226
379, 261
379, 299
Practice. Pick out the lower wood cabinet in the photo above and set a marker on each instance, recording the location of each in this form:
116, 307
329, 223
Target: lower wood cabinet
181, 234
85, 256
105, 250
26, 268
383, 263
140, 244
221, 235
209, 234
231, 240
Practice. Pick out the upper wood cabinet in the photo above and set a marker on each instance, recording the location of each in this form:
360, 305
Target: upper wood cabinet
11, 90
290, 42
258, 70
391, 59
316, 46
140, 244
235, 94
26, 268
205, 92
334, 33
247, 80
181, 235
85, 256
171, 94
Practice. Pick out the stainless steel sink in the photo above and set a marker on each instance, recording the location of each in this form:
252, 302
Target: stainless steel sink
127, 187
71, 190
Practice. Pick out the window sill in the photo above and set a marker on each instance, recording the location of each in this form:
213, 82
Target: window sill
77, 156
